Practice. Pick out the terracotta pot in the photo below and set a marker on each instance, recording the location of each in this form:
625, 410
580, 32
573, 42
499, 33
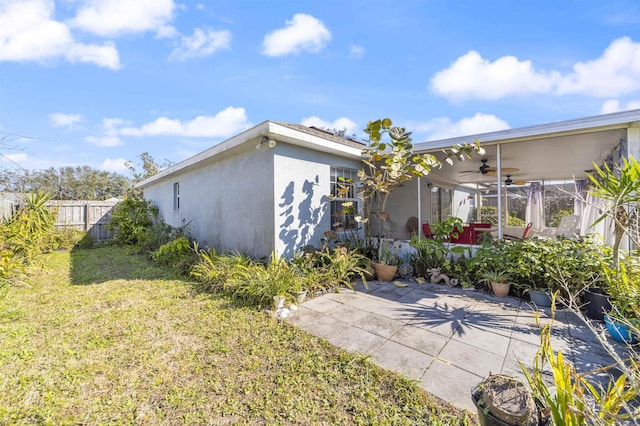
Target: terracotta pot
501, 289
385, 272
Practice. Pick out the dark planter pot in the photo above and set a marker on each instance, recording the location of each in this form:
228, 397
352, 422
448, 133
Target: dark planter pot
620, 332
597, 303
540, 298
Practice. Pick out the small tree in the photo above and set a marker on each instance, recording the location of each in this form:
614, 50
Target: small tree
621, 189
390, 164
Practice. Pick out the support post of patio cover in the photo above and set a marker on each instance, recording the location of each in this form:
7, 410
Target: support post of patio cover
499, 174
419, 210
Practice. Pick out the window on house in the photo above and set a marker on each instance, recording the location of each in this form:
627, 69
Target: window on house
441, 203
176, 196
343, 188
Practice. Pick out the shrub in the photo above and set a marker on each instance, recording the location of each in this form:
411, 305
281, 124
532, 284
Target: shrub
213, 271
256, 283
178, 254
131, 220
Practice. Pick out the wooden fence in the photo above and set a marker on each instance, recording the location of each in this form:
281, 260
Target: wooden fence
90, 216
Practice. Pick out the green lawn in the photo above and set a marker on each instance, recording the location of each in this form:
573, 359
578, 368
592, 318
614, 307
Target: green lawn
105, 337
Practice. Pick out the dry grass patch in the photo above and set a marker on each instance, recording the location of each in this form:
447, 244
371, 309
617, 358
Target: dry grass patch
105, 337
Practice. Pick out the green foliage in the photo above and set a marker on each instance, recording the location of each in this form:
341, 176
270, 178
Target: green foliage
330, 268
544, 264
428, 254
131, 220
450, 227
621, 188
26, 234
256, 284
623, 285
391, 163
177, 254
573, 399
387, 253
68, 183
213, 271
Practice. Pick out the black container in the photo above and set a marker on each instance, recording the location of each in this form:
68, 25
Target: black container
597, 303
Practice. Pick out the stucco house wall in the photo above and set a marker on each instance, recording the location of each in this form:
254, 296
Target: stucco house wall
227, 203
264, 190
302, 187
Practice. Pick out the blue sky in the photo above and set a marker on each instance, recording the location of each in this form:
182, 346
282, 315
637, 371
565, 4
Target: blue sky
99, 82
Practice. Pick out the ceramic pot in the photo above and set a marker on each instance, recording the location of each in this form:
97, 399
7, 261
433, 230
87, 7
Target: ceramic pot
619, 331
501, 289
540, 298
385, 272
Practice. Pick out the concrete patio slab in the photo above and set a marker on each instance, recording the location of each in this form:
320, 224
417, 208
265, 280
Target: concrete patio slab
445, 338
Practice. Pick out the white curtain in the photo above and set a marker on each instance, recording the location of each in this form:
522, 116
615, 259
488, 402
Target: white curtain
535, 206
592, 208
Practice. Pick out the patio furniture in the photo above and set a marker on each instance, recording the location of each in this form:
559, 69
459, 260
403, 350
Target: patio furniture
525, 234
481, 228
467, 236
568, 227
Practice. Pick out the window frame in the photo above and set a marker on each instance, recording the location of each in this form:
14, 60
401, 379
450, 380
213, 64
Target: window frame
176, 196
335, 204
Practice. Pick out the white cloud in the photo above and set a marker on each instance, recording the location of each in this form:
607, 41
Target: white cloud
339, 124
471, 76
116, 17
226, 123
302, 33
356, 51
70, 121
616, 72
444, 128
17, 158
613, 105
109, 138
114, 165
28, 33
201, 43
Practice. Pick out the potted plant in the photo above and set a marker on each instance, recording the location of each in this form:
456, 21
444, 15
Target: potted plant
498, 279
624, 288
386, 266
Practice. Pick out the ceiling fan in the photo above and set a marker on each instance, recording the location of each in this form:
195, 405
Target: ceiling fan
487, 170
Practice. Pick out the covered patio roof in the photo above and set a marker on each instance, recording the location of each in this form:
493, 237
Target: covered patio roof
554, 151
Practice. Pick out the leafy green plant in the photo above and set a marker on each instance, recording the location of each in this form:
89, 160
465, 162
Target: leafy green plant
623, 285
621, 189
447, 228
387, 253
131, 220
495, 275
574, 400
177, 254
391, 163
213, 271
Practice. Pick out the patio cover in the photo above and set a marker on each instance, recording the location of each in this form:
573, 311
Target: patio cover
563, 150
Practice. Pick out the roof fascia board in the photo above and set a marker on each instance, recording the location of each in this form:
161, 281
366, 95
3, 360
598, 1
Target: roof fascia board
618, 120
296, 137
